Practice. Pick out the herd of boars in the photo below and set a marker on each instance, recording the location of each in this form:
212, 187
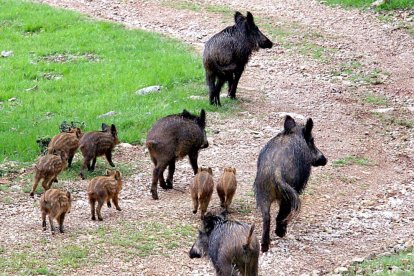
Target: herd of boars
283, 166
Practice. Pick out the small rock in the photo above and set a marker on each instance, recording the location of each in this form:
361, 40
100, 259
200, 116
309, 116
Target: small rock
193, 97
293, 115
12, 99
341, 269
32, 88
125, 145
382, 110
149, 89
379, 3
357, 260
5, 53
108, 114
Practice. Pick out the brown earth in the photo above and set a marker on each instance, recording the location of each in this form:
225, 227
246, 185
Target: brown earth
327, 65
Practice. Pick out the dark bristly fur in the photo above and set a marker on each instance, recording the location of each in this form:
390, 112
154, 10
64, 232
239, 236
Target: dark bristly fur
283, 169
231, 246
201, 190
98, 143
227, 187
171, 139
102, 189
55, 204
67, 142
47, 168
227, 53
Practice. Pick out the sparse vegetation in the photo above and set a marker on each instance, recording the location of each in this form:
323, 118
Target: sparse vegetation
375, 100
351, 160
395, 264
390, 5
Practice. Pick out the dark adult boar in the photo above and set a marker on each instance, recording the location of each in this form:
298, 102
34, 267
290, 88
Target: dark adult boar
55, 204
227, 53
231, 246
67, 142
98, 143
283, 169
171, 139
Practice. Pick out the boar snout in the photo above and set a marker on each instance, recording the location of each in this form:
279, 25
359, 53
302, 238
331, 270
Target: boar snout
320, 161
194, 253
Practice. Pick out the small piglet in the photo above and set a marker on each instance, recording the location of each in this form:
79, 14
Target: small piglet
98, 143
227, 187
55, 204
201, 190
102, 189
67, 142
47, 168
231, 246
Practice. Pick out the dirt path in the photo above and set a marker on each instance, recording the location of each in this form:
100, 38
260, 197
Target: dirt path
332, 65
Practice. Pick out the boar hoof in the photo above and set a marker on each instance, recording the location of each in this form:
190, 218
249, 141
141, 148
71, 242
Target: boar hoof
194, 211
32, 194
93, 218
82, 176
109, 204
112, 164
280, 231
119, 208
100, 219
265, 248
154, 195
164, 186
55, 180
169, 184
61, 230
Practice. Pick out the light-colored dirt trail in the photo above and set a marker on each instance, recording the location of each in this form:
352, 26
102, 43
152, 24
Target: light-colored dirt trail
348, 211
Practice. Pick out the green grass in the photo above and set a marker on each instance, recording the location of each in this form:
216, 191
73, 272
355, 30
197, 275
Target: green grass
397, 264
145, 239
73, 256
67, 67
375, 100
351, 160
392, 5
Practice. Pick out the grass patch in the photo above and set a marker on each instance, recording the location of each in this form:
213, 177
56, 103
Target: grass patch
351, 160
391, 5
145, 239
375, 100
73, 256
354, 71
397, 264
395, 120
67, 67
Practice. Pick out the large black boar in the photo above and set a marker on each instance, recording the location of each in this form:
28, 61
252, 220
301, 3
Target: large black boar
227, 53
171, 139
231, 246
283, 169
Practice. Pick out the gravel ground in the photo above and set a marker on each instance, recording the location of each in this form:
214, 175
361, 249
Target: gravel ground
349, 212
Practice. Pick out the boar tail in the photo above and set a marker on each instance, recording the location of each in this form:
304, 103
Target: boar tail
151, 144
290, 196
246, 246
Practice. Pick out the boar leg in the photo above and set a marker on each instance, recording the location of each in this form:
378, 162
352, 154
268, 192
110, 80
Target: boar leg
44, 220
211, 82
232, 91
108, 155
92, 167
203, 206
193, 156
224, 269
86, 164
70, 158
219, 85
52, 227
61, 220
281, 219
265, 208
222, 197
98, 210
108, 203
154, 183
170, 177
36, 182
115, 201
195, 203
92, 203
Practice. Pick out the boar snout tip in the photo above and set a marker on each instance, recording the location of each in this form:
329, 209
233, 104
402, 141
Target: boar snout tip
194, 254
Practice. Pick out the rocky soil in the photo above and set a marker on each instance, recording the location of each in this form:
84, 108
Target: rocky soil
331, 64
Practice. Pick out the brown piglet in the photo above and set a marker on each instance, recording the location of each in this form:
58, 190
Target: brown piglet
55, 204
97, 143
67, 142
47, 168
227, 187
201, 190
102, 189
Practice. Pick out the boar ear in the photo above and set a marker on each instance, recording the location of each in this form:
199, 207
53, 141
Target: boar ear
108, 172
202, 119
210, 171
289, 124
68, 194
117, 175
234, 170
78, 132
238, 17
250, 19
113, 129
307, 131
104, 127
